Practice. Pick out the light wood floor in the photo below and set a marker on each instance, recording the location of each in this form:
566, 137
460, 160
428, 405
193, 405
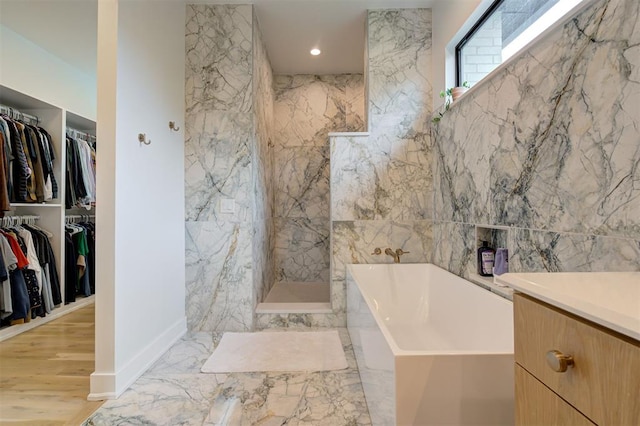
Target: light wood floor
44, 372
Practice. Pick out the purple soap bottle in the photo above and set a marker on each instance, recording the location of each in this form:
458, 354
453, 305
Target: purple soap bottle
486, 258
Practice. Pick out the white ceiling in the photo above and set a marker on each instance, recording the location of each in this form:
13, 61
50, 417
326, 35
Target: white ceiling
337, 27
67, 28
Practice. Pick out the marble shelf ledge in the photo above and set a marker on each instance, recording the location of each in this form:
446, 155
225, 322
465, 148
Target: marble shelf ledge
490, 284
348, 134
293, 308
610, 299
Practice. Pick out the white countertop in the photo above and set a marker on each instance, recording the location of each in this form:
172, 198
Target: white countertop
611, 299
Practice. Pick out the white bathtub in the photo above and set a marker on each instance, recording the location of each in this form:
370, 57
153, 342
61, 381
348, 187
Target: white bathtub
432, 348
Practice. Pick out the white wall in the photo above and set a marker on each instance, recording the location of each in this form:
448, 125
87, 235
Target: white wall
141, 276
448, 17
30, 69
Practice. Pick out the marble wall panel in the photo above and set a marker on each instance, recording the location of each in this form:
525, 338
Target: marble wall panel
357, 170
462, 170
353, 242
535, 251
218, 260
454, 247
228, 129
408, 177
399, 61
262, 159
218, 164
354, 102
306, 109
391, 178
302, 182
548, 146
218, 58
578, 159
302, 250
540, 251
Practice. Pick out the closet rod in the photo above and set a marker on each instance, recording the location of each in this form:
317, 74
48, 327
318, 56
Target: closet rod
17, 115
19, 220
77, 134
72, 218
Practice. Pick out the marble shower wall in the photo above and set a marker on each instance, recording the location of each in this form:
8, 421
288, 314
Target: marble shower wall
306, 109
399, 62
263, 220
549, 147
381, 184
226, 158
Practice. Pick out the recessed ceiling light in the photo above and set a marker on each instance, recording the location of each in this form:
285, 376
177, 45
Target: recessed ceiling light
315, 52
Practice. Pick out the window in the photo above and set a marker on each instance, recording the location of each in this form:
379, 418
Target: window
504, 29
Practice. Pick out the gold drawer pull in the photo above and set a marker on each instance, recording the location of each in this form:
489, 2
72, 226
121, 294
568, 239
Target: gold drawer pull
558, 361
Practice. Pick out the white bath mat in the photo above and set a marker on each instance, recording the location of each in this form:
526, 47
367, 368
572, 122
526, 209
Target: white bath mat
277, 351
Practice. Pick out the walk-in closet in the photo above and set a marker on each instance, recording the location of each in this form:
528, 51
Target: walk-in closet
48, 185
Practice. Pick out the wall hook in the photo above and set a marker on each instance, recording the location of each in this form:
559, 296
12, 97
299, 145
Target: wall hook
142, 138
172, 126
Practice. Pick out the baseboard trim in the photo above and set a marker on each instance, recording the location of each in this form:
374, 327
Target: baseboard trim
105, 385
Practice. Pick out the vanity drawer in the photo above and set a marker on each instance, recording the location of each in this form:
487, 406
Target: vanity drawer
537, 405
604, 381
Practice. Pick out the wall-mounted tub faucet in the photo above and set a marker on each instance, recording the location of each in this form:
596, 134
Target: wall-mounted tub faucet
395, 254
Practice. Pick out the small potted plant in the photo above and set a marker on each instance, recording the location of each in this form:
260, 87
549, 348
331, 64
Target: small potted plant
456, 92
450, 95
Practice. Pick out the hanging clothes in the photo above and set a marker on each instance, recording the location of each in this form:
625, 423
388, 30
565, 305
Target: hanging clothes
4, 166
22, 297
91, 256
19, 249
6, 304
19, 309
80, 174
27, 164
32, 277
36, 264
46, 257
80, 260
70, 270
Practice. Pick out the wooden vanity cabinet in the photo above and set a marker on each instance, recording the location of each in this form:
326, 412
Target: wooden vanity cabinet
601, 381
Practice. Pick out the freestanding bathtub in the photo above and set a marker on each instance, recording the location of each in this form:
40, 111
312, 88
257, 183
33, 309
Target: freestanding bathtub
432, 348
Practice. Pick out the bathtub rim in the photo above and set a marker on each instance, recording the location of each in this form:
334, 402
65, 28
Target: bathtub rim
395, 349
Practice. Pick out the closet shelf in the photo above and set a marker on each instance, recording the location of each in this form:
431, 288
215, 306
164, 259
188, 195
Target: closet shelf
58, 205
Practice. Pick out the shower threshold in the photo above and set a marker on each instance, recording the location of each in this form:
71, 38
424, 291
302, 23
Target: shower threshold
296, 297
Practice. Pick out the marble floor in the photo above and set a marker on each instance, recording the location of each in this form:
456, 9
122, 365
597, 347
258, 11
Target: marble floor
174, 392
